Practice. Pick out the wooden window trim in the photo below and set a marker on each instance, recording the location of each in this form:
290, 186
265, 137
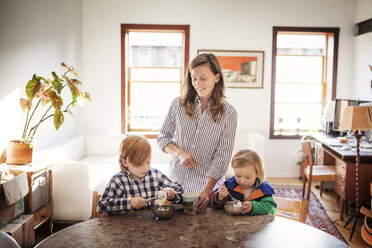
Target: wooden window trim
276, 30
125, 28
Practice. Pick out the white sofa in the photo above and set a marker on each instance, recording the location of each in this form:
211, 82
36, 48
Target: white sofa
83, 164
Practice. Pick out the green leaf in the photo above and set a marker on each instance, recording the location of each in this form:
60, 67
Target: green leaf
32, 87
55, 75
57, 85
58, 119
57, 101
73, 89
64, 65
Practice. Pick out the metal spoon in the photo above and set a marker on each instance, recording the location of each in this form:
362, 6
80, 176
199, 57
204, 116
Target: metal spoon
150, 199
157, 196
232, 198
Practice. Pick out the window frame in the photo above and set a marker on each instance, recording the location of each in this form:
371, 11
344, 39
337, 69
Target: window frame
125, 28
276, 30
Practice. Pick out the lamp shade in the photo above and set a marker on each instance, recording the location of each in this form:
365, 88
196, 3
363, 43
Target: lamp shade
356, 118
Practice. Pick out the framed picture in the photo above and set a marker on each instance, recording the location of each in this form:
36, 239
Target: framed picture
241, 69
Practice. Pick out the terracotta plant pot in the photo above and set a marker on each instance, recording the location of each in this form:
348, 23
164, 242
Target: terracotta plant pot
18, 152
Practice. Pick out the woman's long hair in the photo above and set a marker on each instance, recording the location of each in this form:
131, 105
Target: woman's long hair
218, 94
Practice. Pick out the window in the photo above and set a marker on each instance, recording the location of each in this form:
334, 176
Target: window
154, 58
304, 66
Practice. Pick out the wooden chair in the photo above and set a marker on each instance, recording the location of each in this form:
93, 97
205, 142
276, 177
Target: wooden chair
95, 200
318, 173
294, 207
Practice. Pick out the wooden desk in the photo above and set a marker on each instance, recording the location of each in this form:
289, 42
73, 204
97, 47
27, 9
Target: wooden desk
328, 151
215, 228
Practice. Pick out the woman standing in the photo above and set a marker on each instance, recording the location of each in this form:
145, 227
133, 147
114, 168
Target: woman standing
199, 130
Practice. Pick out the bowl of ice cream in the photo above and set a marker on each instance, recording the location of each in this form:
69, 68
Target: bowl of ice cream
234, 207
163, 211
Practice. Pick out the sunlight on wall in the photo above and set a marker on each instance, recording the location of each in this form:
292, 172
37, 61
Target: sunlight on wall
11, 118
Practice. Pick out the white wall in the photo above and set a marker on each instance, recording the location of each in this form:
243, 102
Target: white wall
217, 24
35, 37
363, 54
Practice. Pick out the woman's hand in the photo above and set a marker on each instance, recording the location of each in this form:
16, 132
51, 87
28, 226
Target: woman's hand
170, 193
247, 208
187, 159
202, 202
138, 202
222, 192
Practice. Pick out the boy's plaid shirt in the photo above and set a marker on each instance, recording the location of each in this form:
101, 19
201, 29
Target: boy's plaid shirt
123, 187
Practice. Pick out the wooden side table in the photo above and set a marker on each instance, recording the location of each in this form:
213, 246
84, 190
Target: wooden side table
45, 212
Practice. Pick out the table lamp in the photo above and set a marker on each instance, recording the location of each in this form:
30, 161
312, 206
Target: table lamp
356, 119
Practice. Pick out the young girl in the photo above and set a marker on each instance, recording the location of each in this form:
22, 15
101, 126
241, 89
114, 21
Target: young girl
137, 182
248, 185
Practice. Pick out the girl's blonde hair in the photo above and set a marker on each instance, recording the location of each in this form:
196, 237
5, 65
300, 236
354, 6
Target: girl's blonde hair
218, 93
248, 157
135, 150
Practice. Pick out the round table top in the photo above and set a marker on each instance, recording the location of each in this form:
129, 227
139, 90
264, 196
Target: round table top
214, 228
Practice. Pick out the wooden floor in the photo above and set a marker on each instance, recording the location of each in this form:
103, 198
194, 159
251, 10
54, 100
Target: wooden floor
330, 204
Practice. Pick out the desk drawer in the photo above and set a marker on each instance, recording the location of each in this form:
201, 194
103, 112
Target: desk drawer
43, 214
340, 190
341, 172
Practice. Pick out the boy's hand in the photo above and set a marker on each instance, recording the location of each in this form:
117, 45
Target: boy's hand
222, 192
138, 202
170, 193
247, 208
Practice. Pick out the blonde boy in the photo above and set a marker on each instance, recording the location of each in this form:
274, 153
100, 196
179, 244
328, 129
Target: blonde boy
248, 186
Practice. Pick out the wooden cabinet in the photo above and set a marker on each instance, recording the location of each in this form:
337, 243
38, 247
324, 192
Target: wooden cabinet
42, 210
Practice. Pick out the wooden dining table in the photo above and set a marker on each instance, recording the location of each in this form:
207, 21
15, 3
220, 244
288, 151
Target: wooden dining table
214, 228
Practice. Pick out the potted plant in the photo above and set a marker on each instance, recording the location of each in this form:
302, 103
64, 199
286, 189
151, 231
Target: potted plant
45, 96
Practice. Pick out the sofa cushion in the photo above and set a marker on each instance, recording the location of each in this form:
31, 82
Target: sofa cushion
104, 166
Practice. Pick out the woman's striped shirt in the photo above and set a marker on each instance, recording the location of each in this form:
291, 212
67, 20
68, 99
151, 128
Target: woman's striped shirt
210, 142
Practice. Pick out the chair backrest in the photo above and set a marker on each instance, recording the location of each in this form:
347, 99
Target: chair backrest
7, 241
95, 200
306, 148
309, 162
297, 209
